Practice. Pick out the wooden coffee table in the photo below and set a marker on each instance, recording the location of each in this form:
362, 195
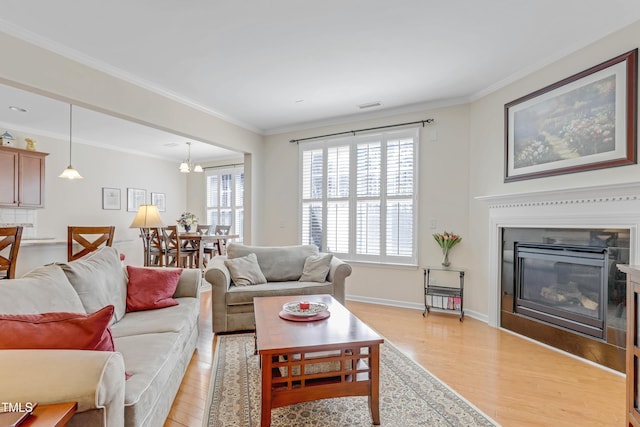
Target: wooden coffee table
302, 361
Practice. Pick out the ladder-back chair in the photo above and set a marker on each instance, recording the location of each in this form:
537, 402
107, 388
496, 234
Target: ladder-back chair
10, 244
89, 239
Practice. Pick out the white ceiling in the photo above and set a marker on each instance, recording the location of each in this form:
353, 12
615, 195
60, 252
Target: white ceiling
279, 65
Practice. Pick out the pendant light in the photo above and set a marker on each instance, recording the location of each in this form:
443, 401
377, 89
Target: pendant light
187, 166
70, 172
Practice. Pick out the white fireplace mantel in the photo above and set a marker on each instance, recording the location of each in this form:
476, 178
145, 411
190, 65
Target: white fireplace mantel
605, 206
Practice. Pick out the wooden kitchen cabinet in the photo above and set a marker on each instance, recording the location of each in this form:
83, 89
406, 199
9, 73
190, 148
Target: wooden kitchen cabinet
21, 178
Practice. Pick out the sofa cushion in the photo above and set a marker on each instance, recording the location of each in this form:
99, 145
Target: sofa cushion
71, 331
99, 280
316, 268
245, 270
151, 288
245, 294
42, 290
151, 359
178, 318
277, 263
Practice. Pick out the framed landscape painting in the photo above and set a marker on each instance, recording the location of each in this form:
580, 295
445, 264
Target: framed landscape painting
584, 122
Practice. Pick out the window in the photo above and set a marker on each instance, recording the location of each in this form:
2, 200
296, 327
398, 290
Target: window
358, 196
225, 197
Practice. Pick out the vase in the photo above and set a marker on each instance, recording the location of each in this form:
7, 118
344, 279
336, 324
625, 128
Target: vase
445, 257
187, 228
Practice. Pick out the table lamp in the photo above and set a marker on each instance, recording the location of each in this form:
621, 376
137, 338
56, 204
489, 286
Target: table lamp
147, 217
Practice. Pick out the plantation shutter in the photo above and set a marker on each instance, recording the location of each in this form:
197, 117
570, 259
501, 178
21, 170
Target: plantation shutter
225, 198
358, 196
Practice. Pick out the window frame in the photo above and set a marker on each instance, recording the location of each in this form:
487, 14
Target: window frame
353, 198
234, 208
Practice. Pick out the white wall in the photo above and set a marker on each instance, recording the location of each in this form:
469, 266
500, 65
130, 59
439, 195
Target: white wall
443, 196
466, 161
79, 202
487, 149
47, 73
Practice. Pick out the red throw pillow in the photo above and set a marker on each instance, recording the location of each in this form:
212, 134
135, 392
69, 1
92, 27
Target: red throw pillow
73, 331
151, 288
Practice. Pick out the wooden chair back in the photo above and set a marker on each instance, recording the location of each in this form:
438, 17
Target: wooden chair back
89, 239
203, 229
222, 230
155, 239
176, 254
9, 242
221, 245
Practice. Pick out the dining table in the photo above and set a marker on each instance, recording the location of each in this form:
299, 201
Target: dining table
197, 241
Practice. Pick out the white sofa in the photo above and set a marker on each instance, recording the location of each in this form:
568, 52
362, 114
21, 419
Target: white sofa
153, 347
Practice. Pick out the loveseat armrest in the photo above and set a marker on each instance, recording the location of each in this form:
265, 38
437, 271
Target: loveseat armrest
189, 283
218, 275
338, 273
94, 379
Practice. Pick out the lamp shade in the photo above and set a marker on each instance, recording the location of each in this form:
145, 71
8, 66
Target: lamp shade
147, 217
70, 173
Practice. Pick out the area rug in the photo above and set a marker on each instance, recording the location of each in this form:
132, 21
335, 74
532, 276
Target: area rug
409, 395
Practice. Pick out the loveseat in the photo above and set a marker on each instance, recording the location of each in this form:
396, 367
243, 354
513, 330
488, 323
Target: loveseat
281, 270
132, 386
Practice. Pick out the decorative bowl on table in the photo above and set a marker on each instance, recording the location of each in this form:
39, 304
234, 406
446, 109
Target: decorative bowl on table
304, 308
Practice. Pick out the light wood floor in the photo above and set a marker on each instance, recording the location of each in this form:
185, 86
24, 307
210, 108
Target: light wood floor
514, 381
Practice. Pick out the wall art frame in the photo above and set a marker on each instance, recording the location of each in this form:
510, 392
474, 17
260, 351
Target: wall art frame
111, 199
135, 198
584, 122
160, 200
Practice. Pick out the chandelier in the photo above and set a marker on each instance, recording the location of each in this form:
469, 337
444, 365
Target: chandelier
187, 166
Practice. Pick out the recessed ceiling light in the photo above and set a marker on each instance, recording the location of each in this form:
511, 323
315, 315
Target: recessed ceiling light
369, 105
19, 109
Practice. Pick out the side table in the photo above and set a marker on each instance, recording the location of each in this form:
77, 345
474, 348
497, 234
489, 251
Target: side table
55, 415
450, 297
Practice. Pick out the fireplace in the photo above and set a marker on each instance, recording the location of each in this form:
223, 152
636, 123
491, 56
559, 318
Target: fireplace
584, 216
562, 285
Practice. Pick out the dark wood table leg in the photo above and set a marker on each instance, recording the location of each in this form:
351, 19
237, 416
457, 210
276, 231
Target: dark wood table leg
265, 414
374, 397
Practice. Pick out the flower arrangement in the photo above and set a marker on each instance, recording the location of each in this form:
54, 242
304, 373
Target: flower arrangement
187, 219
446, 241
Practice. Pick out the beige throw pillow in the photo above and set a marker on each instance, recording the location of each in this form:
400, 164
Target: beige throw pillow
245, 270
316, 268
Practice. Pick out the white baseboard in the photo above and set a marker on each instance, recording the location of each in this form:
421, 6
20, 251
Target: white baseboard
414, 306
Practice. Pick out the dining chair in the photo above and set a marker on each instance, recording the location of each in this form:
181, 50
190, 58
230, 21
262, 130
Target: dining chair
220, 246
177, 250
89, 239
9, 238
153, 241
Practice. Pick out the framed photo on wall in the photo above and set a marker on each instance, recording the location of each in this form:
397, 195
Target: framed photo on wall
159, 199
135, 198
584, 122
111, 198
